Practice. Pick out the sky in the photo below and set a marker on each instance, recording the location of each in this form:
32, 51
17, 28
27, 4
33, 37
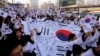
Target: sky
21, 1
25, 1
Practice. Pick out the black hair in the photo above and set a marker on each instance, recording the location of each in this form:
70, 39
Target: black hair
7, 20
77, 50
49, 17
72, 18
6, 46
18, 15
1, 21
97, 18
98, 43
38, 16
33, 17
71, 36
15, 30
68, 53
92, 33
25, 39
23, 17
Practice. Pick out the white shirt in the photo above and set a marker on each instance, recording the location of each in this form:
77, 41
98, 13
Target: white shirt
28, 47
26, 27
88, 53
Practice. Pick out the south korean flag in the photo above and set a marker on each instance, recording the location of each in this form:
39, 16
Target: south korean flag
3, 14
90, 19
12, 14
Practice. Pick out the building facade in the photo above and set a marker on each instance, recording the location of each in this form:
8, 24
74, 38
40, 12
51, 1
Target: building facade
33, 3
47, 5
80, 5
91, 2
78, 2
67, 2
3, 3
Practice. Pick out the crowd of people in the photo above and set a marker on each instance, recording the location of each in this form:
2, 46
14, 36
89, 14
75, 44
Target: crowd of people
19, 30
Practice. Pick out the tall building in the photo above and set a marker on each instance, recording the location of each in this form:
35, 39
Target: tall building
88, 2
34, 3
57, 3
3, 3
67, 2
91, 2
47, 5
62, 3
80, 5
80, 2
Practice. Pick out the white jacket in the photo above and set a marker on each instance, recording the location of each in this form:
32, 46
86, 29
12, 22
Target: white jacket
28, 47
88, 53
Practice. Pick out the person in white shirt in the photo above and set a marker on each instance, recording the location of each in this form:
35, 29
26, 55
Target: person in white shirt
5, 29
95, 51
77, 50
29, 47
